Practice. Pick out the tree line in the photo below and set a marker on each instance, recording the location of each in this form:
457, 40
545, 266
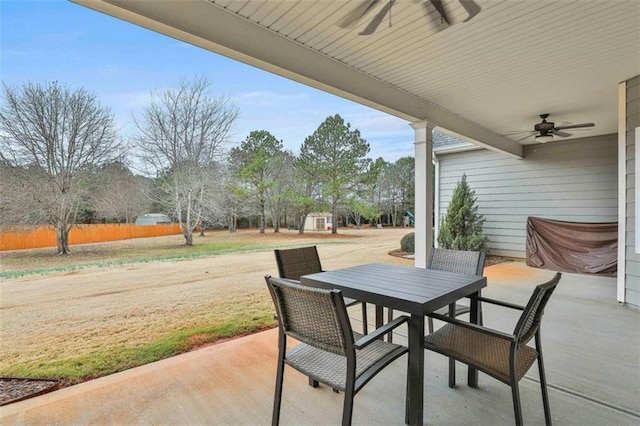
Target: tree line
63, 162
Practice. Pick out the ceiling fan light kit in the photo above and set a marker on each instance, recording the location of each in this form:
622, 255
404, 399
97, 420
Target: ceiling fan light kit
544, 138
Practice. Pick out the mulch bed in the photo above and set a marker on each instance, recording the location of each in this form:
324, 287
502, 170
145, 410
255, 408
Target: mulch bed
14, 389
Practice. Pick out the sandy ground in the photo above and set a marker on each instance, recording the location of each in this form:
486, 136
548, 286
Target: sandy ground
67, 313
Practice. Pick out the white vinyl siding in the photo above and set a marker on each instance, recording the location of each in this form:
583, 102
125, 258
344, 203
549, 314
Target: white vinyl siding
572, 180
632, 268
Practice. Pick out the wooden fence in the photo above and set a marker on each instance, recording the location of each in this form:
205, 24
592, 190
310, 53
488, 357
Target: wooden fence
44, 236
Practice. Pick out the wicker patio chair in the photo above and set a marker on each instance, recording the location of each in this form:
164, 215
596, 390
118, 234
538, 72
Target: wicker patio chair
329, 352
462, 262
506, 357
294, 263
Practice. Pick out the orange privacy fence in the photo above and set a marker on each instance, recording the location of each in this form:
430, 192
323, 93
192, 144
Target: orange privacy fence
44, 236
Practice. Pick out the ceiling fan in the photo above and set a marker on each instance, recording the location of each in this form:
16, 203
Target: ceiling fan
440, 6
546, 130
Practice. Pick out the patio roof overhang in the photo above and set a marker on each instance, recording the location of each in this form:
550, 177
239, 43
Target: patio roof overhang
481, 79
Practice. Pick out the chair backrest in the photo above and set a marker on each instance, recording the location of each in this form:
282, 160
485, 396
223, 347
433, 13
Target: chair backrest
529, 321
311, 315
462, 262
293, 263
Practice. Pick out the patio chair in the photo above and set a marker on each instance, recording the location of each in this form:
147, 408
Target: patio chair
294, 263
506, 357
462, 262
329, 352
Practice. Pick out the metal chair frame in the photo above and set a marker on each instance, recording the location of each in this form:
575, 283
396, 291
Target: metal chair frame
331, 339
527, 327
293, 263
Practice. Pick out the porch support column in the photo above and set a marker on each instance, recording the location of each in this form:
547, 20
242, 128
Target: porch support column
423, 218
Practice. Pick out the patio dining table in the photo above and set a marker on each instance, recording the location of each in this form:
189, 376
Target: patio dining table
416, 291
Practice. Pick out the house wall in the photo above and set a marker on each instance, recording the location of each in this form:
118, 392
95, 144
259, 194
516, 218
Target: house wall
574, 180
632, 267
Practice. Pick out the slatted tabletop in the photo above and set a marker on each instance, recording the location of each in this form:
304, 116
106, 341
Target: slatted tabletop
404, 288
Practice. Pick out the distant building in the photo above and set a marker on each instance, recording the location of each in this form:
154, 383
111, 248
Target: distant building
318, 221
152, 219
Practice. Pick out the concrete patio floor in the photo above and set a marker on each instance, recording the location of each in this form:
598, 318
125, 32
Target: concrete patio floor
591, 349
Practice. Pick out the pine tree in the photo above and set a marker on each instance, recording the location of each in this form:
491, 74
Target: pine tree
462, 225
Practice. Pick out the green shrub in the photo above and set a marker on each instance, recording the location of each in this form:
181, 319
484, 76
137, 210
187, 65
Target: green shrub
408, 243
461, 227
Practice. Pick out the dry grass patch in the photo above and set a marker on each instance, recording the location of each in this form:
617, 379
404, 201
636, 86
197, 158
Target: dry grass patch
77, 324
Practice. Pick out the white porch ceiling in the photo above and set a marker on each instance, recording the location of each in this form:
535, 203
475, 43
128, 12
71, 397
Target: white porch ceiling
482, 79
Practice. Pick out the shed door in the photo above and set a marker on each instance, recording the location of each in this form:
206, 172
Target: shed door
320, 224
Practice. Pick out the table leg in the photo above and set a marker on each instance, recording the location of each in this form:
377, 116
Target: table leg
474, 316
379, 316
415, 372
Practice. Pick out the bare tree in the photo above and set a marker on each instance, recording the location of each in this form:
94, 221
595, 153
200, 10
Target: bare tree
182, 134
225, 207
120, 195
278, 193
51, 140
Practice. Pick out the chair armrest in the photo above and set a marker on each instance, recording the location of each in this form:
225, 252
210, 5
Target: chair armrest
501, 303
376, 334
475, 327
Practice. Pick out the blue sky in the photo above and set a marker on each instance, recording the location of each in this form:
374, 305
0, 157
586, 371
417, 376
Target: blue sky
42, 41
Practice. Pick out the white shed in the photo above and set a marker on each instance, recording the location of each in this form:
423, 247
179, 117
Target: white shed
318, 221
152, 219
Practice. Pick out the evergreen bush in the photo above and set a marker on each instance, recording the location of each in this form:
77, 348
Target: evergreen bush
461, 227
408, 242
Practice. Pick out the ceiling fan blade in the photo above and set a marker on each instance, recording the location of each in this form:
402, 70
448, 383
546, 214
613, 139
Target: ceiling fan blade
530, 134
356, 14
375, 22
573, 126
440, 8
517, 132
436, 21
471, 7
561, 133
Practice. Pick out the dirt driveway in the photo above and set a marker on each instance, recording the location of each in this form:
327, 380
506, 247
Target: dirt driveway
64, 314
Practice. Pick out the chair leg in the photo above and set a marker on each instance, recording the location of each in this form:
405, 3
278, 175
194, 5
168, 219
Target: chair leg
313, 383
277, 399
430, 322
452, 373
543, 385
365, 323
347, 410
407, 403
517, 409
